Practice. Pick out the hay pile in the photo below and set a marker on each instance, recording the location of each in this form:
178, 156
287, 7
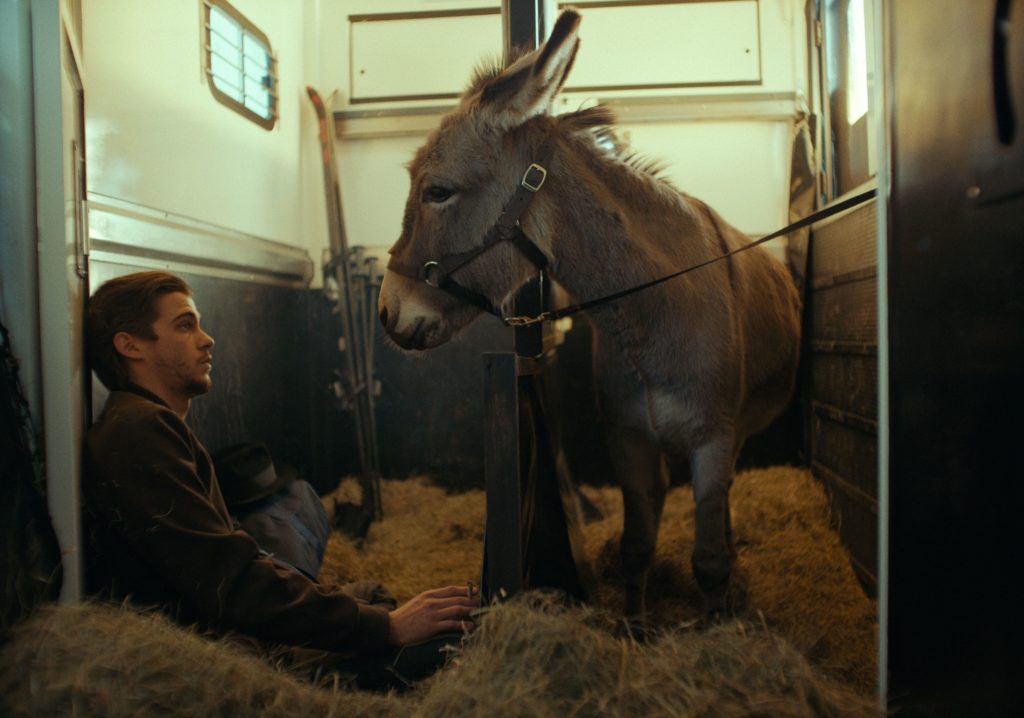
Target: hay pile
531, 657
793, 574
428, 538
94, 660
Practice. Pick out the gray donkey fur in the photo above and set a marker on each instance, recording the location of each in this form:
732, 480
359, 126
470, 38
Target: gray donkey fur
687, 370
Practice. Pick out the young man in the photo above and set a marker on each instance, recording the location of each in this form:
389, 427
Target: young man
158, 525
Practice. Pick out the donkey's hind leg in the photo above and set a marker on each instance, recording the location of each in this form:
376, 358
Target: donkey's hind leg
644, 479
713, 556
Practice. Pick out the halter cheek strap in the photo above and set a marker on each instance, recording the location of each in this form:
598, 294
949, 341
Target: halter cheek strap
437, 272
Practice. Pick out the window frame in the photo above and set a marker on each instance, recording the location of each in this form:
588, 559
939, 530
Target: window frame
847, 151
247, 27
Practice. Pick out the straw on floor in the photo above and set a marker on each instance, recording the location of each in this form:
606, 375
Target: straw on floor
802, 644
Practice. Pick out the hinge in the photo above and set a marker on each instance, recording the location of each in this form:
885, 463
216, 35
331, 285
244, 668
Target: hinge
819, 33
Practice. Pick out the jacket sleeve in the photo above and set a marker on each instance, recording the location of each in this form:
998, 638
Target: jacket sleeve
148, 486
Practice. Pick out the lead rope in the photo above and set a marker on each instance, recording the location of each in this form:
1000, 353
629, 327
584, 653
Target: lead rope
525, 321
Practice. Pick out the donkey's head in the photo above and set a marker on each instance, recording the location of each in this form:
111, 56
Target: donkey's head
470, 168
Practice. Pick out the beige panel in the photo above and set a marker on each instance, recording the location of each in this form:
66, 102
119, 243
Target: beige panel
375, 185
410, 57
740, 168
668, 45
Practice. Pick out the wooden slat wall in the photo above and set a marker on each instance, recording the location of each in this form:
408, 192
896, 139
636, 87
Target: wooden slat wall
843, 331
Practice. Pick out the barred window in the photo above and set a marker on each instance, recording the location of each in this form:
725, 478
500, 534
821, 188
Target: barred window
240, 65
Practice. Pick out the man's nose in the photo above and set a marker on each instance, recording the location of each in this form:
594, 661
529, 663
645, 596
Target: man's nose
206, 340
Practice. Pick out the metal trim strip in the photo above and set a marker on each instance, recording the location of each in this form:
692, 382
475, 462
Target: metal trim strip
846, 418
127, 233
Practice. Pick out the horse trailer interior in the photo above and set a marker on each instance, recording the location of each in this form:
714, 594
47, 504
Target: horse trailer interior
131, 140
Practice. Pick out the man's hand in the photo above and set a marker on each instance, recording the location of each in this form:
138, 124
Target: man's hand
432, 612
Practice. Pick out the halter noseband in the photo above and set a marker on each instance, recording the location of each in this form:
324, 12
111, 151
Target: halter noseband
437, 273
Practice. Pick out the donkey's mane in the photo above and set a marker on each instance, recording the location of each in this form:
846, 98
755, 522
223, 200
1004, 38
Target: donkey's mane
597, 125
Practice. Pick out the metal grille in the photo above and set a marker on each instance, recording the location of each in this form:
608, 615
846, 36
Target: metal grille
239, 63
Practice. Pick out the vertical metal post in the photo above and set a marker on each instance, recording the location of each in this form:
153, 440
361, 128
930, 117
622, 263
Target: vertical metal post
503, 555
62, 292
524, 23
525, 26
503, 549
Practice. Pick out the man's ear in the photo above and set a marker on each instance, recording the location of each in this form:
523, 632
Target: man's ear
127, 346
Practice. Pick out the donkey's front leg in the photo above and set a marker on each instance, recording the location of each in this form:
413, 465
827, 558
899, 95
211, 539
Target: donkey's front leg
713, 464
643, 475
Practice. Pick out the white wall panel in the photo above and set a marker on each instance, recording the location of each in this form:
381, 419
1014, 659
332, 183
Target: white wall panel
781, 38
739, 168
726, 144
158, 138
375, 183
414, 57
676, 45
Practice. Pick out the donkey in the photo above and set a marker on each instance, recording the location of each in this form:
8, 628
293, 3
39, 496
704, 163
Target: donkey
687, 369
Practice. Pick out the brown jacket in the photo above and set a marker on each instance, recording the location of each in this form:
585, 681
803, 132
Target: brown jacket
160, 533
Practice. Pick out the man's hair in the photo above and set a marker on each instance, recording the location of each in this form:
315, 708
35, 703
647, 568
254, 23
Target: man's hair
125, 304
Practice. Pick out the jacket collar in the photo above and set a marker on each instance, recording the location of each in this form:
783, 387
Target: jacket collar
144, 393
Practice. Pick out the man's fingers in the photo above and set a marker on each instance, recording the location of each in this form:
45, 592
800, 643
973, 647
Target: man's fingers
452, 612
455, 626
470, 603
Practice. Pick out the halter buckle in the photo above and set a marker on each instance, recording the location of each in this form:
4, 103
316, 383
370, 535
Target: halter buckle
533, 178
432, 274
524, 321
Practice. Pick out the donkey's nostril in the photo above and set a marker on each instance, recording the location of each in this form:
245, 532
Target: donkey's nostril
384, 316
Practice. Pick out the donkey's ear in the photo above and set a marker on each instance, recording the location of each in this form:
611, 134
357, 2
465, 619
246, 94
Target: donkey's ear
528, 86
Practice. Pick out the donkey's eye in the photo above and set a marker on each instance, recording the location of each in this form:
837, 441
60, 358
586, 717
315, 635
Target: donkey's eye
436, 194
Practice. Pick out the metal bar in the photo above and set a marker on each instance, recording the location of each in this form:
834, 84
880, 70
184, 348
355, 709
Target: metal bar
357, 312
221, 78
372, 291
210, 29
856, 275
834, 479
339, 255
854, 421
522, 23
422, 15
503, 553
840, 346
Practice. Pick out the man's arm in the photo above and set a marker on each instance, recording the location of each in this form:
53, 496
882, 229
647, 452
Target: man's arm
144, 477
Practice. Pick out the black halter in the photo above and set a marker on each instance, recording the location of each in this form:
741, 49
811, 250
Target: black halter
437, 273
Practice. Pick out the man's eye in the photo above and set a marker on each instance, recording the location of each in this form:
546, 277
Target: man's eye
435, 194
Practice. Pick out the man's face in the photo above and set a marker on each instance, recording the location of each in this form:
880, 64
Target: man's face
179, 358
